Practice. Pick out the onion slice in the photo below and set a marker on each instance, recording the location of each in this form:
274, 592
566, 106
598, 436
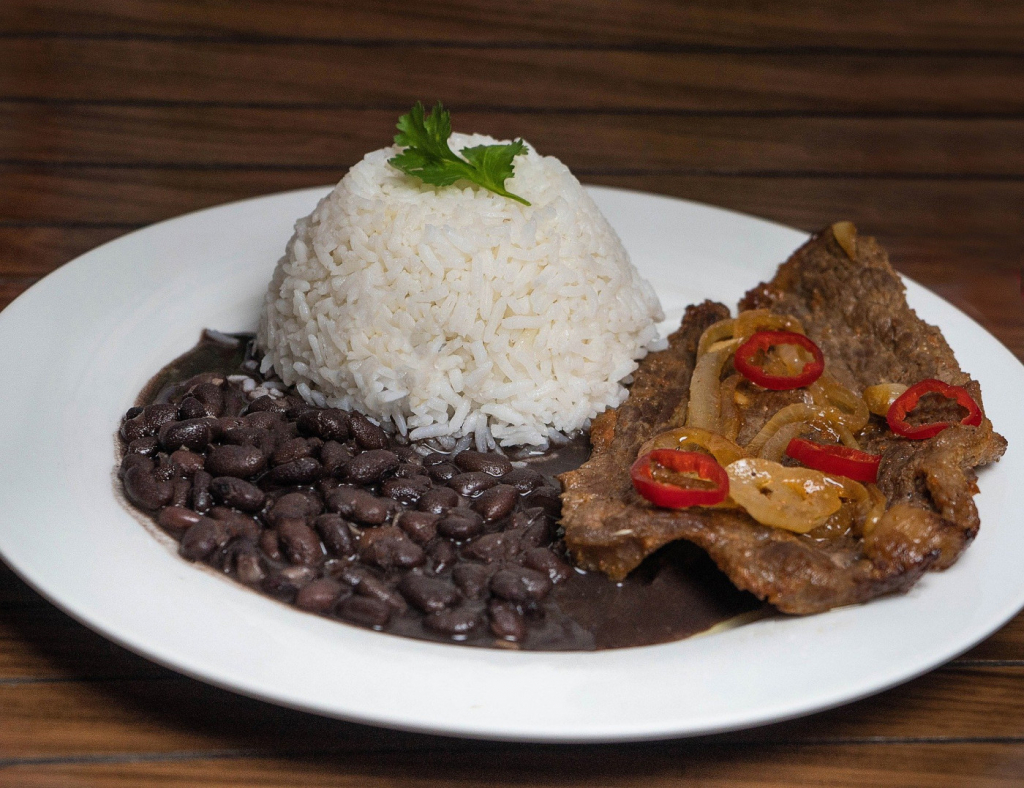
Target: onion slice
879, 398
704, 407
686, 438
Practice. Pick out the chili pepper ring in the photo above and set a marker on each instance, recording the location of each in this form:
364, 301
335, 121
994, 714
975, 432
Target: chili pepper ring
674, 496
907, 401
761, 342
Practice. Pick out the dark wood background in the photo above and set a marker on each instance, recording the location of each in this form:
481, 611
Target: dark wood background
907, 118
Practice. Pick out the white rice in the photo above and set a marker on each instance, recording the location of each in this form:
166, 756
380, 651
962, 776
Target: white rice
455, 312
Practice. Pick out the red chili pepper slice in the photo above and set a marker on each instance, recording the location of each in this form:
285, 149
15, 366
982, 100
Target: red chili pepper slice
673, 496
763, 341
842, 460
907, 401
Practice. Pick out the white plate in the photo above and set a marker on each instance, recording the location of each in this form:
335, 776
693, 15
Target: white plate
80, 344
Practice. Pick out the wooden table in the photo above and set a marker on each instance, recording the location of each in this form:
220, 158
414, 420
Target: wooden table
909, 120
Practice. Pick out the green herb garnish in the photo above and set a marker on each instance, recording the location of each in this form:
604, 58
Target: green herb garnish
428, 157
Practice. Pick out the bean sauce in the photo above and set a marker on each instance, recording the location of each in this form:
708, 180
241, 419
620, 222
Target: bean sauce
328, 511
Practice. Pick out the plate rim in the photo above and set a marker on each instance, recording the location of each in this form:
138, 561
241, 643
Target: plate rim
469, 730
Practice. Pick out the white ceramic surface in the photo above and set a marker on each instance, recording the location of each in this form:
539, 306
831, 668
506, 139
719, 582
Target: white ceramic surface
81, 343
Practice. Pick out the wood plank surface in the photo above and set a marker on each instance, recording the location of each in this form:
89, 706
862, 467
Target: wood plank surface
903, 765
395, 76
968, 215
117, 717
906, 118
938, 25
334, 139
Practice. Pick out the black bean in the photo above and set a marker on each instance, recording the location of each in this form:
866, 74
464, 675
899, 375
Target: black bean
191, 434
435, 458
334, 456
494, 547
494, 464
235, 402
241, 461
442, 555
472, 483
225, 423
319, 596
325, 485
540, 534
543, 560
525, 480
472, 579
495, 503
237, 523
428, 594
367, 434
285, 583
237, 493
354, 575
305, 470
144, 446
547, 499
262, 439
360, 505
407, 454
134, 428
211, 395
271, 545
133, 412
365, 611
329, 424
145, 490
442, 472
408, 470
407, 490
456, 623
295, 505
295, 449
299, 542
370, 466
372, 587
188, 462
248, 565
420, 526
267, 404
202, 539
336, 534
439, 500
263, 419
389, 547
191, 408
182, 492
460, 524
517, 584
164, 470
202, 499
506, 622
132, 461
177, 519
155, 416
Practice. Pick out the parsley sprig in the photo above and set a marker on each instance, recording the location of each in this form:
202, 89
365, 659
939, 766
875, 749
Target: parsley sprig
428, 157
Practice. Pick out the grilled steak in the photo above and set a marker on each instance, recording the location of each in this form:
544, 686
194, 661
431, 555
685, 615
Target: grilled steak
856, 311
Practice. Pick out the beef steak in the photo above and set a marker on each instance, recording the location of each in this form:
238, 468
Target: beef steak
853, 306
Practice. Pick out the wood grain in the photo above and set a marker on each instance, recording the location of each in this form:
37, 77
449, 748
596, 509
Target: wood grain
966, 215
906, 118
942, 25
334, 139
46, 719
902, 765
393, 77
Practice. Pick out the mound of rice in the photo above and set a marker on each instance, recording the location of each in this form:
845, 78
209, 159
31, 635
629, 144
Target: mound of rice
456, 312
